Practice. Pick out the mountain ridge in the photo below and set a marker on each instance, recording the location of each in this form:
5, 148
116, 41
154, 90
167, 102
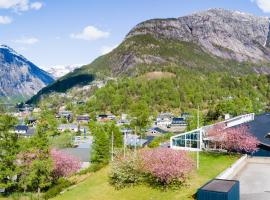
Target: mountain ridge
20, 78
215, 40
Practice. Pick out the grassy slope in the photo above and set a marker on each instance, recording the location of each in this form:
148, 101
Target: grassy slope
96, 187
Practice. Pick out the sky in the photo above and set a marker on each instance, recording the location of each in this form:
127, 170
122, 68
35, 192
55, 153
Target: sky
66, 32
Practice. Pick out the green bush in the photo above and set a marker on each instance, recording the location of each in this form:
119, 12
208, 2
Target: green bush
126, 171
61, 184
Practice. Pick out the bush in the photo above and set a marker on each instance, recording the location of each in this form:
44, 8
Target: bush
61, 184
126, 171
161, 166
166, 166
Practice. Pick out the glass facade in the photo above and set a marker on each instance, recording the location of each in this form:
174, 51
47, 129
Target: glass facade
187, 140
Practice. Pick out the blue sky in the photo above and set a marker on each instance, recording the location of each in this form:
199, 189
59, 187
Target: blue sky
63, 32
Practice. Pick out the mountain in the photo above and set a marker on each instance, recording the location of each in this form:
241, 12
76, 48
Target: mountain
20, 78
58, 71
215, 40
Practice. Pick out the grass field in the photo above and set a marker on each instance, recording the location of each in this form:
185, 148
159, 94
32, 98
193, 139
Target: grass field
96, 187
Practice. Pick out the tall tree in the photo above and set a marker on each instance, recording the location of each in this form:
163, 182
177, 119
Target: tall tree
8, 152
36, 163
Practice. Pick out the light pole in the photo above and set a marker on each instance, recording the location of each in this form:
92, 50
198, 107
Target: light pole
198, 126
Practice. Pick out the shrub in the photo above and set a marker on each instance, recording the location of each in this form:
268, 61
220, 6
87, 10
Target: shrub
61, 184
64, 164
162, 166
167, 166
126, 171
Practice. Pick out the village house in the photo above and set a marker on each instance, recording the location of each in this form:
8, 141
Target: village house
105, 117
83, 119
164, 119
178, 121
156, 131
24, 130
65, 114
68, 127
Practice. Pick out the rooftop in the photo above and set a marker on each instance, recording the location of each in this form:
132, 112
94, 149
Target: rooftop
260, 127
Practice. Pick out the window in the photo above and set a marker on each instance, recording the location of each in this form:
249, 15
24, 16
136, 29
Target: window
188, 140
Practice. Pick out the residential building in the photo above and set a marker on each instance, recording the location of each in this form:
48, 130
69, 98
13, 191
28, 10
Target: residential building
178, 121
156, 131
24, 130
83, 119
197, 139
164, 119
68, 127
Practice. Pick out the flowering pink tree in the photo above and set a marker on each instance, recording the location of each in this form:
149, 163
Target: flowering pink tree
240, 139
167, 165
237, 139
64, 164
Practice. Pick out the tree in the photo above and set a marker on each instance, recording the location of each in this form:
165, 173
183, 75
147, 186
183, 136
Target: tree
167, 165
64, 164
101, 145
140, 114
237, 139
8, 151
35, 161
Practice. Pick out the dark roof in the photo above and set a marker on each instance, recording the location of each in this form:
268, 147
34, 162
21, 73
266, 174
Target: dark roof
260, 127
81, 117
159, 130
219, 185
178, 120
21, 128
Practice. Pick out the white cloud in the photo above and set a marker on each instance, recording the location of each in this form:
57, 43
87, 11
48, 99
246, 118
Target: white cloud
107, 49
90, 33
264, 5
29, 41
36, 5
5, 20
20, 5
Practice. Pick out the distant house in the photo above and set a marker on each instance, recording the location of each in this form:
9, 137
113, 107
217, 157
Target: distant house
65, 114
105, 118
122, 122
178, 121
68, 127
32, 121
156, 131
164, 119
185, 115
83, 141
24, 130
134, 140
83, 118
126, 131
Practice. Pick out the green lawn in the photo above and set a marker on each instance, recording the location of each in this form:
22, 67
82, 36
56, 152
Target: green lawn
96, 187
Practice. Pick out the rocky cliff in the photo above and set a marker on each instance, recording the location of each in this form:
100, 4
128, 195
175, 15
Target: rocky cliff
224, 33
19, 78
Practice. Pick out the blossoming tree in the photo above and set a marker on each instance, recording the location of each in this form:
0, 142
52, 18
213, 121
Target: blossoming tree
64, 164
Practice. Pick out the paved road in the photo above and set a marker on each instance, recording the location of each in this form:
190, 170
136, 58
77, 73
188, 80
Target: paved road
255, 182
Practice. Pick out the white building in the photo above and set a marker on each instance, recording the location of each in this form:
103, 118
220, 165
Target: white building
164, 119
196, 140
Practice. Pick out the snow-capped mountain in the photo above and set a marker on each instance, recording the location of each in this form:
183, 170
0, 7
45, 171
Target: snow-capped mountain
20, 78
58, 71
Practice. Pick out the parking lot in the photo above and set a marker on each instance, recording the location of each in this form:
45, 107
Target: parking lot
255, 181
